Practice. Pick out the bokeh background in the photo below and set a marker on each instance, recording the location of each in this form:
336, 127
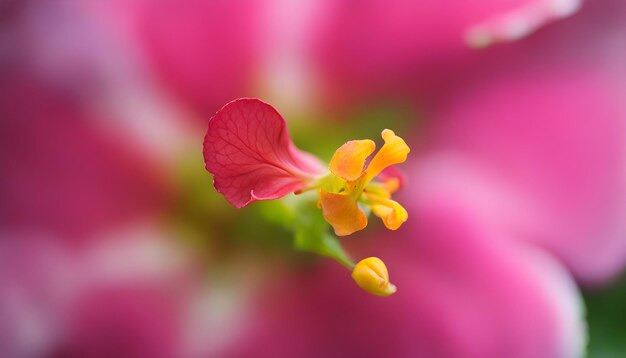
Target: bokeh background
114, 243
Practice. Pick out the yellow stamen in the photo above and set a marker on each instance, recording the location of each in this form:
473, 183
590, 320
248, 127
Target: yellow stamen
348, 161
342, 212
391, 212
377, 190
349, 183
394, 151
372, 276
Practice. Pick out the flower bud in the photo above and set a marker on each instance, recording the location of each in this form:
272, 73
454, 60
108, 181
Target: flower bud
372, 276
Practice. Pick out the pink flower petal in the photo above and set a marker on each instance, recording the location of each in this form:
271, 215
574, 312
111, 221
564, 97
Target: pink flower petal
383, 48
520, 22
62, 173
249, 152
125, 296
462, 292
557, 139
205, 52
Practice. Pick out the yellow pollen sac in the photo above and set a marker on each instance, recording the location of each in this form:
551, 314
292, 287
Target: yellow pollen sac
392, 213
348, 161
342, 212
372, 276
394, 151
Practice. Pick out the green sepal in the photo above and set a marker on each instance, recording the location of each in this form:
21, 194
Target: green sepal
300, 215
322, 243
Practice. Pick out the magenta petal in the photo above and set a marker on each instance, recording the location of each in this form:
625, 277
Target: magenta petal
179, 39
462, 292
362, 53
124, 296
249, 152
61, 173
554, 138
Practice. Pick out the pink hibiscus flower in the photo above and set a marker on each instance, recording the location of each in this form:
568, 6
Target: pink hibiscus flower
521, 175
249, 152
498, 202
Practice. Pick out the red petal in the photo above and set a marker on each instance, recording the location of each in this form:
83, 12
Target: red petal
249, 152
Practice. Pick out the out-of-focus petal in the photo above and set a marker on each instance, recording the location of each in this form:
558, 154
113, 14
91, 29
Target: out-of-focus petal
557, 139
381, 48
249, 152
519, 22
205, 52
463, 292
36, 276
61, 173
133, 294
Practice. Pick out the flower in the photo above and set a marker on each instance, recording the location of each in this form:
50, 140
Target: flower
465, 293
481, 277
249, 152
340, 208
519, 188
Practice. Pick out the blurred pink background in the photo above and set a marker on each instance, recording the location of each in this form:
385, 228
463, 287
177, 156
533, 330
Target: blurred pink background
114, 243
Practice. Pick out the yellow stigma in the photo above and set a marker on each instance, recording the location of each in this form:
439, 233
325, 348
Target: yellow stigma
372, 276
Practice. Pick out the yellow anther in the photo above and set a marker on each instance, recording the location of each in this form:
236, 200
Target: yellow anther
394, 151
392, 213
372, 276
348, 161
342, 212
